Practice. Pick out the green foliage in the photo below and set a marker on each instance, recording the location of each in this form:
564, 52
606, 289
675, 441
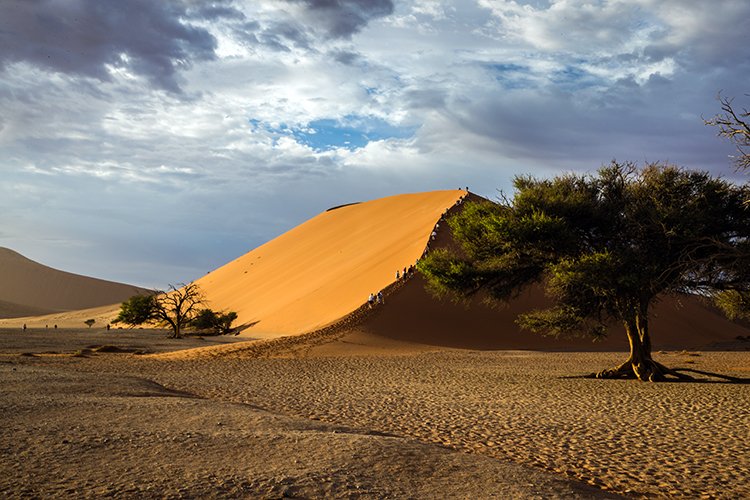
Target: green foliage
225, 320
89, 322
137, 310
205, 319
217, 322
604, 247
735, 304
561, 321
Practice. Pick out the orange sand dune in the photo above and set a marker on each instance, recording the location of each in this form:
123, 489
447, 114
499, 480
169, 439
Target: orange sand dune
29, 288
412, 314
325, 268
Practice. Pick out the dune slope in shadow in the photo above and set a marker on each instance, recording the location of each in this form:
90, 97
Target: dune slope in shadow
413, 314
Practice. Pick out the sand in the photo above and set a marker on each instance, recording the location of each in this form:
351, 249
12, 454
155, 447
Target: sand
321, 272
363, 416
29, 288
302, 280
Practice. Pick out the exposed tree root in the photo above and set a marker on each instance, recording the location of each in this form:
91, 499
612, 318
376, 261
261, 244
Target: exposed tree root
646, 370
652, 371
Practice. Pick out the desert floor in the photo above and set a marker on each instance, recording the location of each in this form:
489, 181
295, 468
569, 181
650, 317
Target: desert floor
358, 417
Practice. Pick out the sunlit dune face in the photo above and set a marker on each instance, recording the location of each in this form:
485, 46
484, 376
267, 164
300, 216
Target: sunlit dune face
328, 266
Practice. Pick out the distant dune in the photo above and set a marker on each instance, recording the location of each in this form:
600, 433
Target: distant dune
28, 288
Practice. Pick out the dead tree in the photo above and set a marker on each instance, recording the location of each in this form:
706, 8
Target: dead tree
735, 126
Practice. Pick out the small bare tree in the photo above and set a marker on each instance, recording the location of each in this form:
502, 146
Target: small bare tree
175, 308
735, 126
178, 306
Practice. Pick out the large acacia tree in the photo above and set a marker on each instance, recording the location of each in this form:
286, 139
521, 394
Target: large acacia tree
605, 248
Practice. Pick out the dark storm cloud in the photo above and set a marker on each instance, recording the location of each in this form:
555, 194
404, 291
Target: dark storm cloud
425, 99
343, 18
81, 38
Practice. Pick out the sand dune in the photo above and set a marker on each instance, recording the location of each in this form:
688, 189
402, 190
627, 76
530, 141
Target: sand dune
374, 386
413, 315
29, 288
325, 268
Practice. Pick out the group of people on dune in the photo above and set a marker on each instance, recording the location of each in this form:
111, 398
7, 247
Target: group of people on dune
377, 298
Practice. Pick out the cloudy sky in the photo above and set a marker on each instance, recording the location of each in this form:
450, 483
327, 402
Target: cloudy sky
152, 141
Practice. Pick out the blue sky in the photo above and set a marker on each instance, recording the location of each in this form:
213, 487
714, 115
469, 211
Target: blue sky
150, 142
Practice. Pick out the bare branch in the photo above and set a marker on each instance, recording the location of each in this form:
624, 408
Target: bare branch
733, 125
177, 306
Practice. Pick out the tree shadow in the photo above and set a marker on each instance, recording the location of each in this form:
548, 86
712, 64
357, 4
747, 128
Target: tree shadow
717, 378
244, 326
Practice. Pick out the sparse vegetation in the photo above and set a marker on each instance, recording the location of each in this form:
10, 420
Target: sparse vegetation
605, 247
219, 323
175, 308
137, 310
89, 322
734, 303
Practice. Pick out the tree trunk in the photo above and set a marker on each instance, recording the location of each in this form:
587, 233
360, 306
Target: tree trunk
640, 364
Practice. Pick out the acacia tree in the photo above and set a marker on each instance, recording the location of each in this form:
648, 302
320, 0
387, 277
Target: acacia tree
734, 124
605, 248
174, 308
137, 310
219, 322
178, 306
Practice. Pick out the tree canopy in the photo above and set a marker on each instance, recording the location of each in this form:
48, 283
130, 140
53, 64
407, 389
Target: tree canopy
218, 322
137, 310
605, 247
